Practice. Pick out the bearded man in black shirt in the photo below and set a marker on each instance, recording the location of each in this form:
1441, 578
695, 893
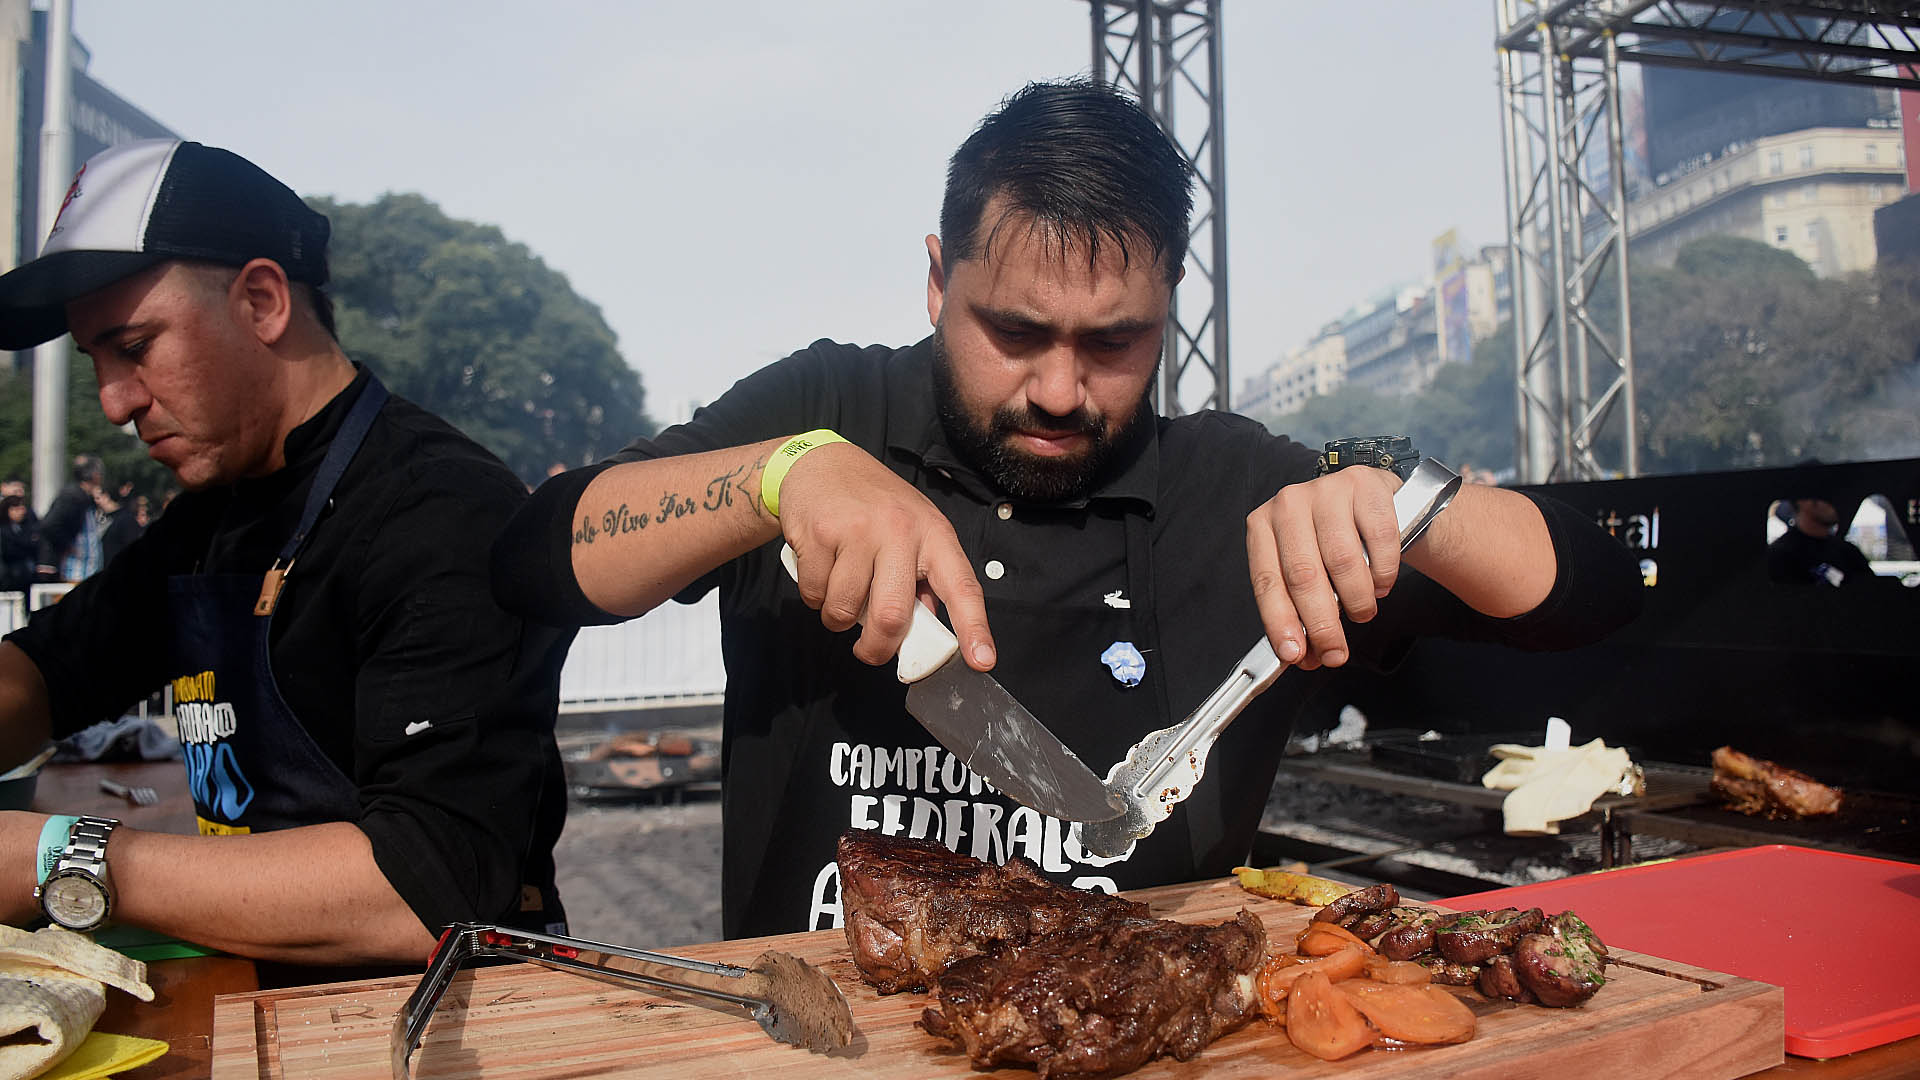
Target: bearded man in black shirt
1109, 566
368, 737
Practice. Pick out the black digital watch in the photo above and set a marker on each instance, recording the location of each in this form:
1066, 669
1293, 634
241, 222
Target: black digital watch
1394, 453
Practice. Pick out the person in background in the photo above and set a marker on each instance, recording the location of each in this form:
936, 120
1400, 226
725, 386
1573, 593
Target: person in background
19, 544
70, 533
1812, 551
369, 737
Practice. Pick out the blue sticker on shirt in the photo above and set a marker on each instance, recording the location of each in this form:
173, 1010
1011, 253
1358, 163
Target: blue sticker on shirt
1125, 662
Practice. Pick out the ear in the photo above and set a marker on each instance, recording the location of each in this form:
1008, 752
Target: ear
936, 280
263, 300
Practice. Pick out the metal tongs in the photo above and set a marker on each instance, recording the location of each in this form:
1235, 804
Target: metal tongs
790, 999
1161, 770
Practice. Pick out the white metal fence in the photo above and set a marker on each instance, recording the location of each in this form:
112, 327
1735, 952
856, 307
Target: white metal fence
670, 656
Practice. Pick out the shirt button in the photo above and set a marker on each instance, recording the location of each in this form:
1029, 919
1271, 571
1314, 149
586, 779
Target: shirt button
995, 570
1004, 511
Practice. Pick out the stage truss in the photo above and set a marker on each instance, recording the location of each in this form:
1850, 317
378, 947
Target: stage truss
1567, 227
1167, 54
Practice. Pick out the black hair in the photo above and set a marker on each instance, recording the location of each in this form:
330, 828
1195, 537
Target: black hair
322, 305
86, 468
1084, 162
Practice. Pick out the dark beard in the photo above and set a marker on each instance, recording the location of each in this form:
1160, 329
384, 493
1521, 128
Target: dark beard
1025, 476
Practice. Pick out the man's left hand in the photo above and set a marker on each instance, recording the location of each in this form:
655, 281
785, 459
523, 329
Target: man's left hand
1316, 549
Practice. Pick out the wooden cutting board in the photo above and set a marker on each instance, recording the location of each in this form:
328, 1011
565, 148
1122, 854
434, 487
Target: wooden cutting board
518, 1020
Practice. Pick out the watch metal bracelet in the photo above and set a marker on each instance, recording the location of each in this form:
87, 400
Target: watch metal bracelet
1421, 498
87, 842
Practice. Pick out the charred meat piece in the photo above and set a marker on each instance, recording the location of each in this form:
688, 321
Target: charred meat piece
913, 907
1564, 966
1368, 927
1448, 973
1411, 935
1498, 979
1762, 788
1104, 1001
1350, 908
1473, 936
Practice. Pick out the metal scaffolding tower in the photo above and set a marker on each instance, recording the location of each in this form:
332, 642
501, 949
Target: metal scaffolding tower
1567, 219
1167, 54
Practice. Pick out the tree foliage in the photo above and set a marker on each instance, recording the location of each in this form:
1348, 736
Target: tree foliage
1743, 358
480, 331
452, 316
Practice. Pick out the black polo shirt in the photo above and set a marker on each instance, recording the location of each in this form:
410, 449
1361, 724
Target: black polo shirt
818, 742
386, 619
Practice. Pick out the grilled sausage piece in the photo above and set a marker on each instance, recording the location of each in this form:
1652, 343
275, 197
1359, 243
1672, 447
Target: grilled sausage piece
1352, 906
1472, 937
1368, 927
1449, 973
1561, 971
1412, 936
1498, 979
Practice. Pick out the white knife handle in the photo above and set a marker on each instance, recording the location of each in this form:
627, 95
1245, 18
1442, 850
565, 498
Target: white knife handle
928, 643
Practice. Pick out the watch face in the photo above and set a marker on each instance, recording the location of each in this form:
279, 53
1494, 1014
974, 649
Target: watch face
75, 901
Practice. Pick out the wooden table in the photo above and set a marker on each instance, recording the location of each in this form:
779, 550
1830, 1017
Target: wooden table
181, 1012
525, 1021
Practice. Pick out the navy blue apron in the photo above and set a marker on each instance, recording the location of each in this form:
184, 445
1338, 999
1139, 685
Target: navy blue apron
251, 766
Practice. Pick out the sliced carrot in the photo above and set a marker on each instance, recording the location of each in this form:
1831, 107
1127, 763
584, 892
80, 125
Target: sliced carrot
1325, 1022
1325, 939
1411, 1014
1278, 974
1398, 972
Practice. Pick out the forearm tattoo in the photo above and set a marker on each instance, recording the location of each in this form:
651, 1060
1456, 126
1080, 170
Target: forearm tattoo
739, 486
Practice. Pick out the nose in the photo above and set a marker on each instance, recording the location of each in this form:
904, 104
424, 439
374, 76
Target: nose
122, 395
1056, 384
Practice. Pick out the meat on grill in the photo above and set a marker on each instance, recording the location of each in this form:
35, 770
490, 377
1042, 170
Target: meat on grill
912, 907
1104, 1001
1761, 788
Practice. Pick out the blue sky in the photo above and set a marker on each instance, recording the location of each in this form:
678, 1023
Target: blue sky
731, 180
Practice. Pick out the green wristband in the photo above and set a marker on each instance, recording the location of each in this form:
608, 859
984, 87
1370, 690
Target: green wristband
782, 459
53, 841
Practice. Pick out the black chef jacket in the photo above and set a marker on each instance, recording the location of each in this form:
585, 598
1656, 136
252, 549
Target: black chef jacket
818, 742
385, 620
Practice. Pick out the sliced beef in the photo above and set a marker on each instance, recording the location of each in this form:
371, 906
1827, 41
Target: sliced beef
1472, 936
912, 907
1104, 1001
1350, 908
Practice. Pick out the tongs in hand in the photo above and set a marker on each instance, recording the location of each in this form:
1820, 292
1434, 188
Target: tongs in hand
1161, 770
792, 1000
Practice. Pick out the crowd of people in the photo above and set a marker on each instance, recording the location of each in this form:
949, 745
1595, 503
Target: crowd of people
85, 526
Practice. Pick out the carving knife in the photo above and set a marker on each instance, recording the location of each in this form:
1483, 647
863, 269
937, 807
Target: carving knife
973, 716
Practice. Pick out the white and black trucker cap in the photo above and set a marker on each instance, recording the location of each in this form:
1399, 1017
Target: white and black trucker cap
140, 203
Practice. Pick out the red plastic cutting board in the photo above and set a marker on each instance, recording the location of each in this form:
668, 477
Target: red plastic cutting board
1840, 932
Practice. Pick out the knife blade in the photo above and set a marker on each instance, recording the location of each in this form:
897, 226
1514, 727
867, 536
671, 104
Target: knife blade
987, 728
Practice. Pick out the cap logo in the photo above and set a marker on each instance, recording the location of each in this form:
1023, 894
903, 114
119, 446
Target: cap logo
73, 192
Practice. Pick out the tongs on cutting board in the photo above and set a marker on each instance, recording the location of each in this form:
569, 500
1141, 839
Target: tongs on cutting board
790, 999
1160, 771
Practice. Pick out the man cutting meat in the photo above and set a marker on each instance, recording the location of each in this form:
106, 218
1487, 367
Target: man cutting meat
1109, 565
368, 737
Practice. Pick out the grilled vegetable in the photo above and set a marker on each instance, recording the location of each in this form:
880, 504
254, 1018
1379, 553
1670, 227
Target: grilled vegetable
1297, 888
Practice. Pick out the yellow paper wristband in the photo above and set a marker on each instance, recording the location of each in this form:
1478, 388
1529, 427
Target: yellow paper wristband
782, 460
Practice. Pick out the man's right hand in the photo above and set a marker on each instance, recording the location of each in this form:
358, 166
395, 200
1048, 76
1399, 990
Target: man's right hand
869, 546
864, 540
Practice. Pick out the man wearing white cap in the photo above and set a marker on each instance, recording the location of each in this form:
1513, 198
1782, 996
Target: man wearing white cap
368, 737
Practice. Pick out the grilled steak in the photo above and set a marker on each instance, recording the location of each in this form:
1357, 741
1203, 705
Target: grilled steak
1104, 1001
913, 907
1756, 787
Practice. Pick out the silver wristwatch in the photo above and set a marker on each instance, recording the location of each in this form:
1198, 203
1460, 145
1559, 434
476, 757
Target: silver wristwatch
78, 894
